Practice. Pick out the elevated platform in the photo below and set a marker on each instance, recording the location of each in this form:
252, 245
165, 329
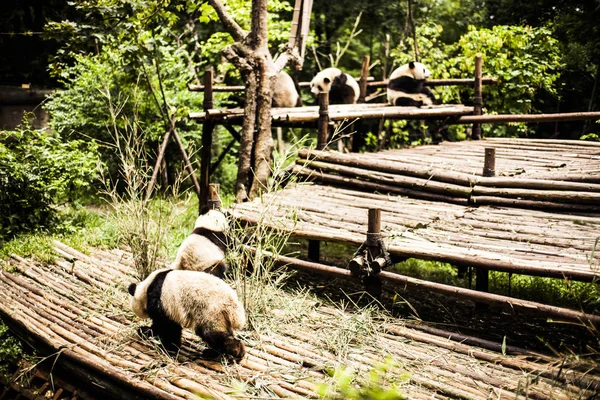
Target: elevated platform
309, 115
540, 214
75, 311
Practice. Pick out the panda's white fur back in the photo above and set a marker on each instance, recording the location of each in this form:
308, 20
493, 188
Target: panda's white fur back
197, 252
192, 299
419, 72
318, 84
195, 298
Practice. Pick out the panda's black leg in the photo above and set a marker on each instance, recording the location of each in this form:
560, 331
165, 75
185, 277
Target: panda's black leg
168, 332
406, 102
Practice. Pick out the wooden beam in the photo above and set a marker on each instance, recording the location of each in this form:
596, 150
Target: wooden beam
207, 131
493, 300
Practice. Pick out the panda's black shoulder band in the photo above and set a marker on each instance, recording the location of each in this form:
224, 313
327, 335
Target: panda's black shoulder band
219, 239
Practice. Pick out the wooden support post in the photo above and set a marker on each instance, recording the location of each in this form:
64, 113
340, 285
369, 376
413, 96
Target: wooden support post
477, 99
364, 75
214, 200
374, 225
373, 283
489, 162
323, 124
314, 250
207, 130
482, 275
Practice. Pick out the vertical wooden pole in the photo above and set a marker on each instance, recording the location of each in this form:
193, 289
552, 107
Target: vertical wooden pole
373, 283
477, 98
314, 250
207, 130
214, 200
489, 162
323, 124
364, 75
482, 275
374, 224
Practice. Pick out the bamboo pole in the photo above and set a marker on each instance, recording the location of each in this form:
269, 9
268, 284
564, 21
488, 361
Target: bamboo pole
491, 299
378, 187
207, 131
507, 118
364, 74
323, 130
428, 185
477, 99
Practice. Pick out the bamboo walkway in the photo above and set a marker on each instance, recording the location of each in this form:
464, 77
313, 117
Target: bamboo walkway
76, 311
430, 197
338, 112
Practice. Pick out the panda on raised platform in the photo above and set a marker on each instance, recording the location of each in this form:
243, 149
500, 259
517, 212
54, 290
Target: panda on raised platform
286, 91
190, 299
342, 88
206, 247
406, 86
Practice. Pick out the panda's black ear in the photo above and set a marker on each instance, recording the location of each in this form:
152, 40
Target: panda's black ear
131, 289
411, 65
326, 80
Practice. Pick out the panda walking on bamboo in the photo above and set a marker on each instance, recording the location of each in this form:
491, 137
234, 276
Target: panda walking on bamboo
176, 299
191, 293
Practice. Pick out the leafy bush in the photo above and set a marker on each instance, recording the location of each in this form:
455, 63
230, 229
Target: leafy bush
527, 62
38, 172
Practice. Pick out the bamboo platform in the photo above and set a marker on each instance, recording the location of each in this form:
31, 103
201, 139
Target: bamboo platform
539, 216
309, 115
75, 311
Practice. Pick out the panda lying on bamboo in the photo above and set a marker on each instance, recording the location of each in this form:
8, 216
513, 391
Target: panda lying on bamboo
195, 300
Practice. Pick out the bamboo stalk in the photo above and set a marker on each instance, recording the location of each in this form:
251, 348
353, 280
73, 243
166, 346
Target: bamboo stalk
486, 298
397, 180
356, 183
506, 118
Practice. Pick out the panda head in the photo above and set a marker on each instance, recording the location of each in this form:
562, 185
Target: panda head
139, 295
212, 220
413, 69
321, 83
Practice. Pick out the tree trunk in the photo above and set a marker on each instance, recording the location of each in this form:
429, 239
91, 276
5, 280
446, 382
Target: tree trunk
250, 54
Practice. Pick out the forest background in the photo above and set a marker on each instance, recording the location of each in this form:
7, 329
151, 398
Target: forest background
124, 66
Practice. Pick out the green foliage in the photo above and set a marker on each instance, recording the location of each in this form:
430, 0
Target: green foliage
527, 61
11, 350
383, 382
38, 172
38, 245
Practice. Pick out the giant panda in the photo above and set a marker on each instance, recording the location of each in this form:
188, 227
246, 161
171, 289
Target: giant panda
194, 300
342, 88
286, 91
205, 249
406, 86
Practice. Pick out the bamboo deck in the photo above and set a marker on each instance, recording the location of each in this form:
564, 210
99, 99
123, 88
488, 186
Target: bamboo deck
76, 309
431, 200
339, 112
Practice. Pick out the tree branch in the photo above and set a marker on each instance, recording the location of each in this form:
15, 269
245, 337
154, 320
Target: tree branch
231, 26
